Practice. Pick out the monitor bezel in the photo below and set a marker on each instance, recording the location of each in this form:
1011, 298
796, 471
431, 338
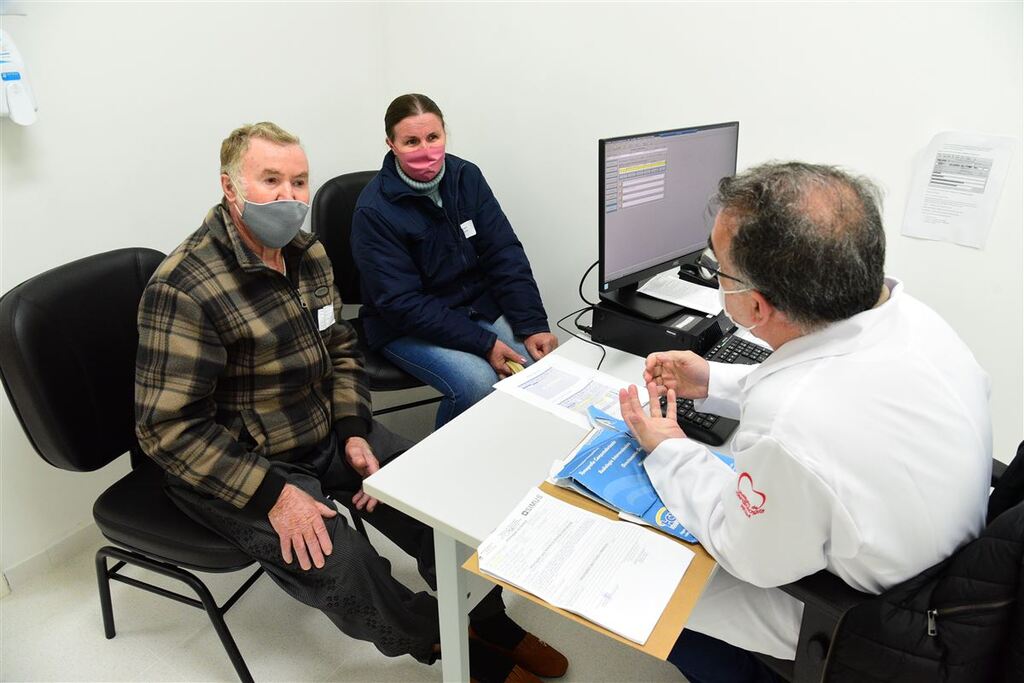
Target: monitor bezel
605, 285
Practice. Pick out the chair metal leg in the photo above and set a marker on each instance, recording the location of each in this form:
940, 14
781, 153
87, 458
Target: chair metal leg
406, 406
206, 601
105, 604
357, 522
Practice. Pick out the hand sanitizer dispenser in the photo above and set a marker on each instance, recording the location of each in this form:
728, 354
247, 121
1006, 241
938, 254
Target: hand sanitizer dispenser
16, 99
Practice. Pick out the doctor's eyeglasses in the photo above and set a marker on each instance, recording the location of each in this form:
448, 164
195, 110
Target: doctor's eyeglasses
707, 267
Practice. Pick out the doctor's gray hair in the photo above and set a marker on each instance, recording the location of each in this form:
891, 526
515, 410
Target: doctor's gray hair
808, 237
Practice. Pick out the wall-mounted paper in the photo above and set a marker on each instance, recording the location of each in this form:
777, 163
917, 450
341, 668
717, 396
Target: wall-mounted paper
956, 186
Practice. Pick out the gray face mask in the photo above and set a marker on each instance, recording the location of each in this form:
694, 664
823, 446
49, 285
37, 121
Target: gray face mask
276, 223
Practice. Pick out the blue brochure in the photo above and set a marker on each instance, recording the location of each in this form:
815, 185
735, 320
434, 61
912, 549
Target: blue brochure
609, 468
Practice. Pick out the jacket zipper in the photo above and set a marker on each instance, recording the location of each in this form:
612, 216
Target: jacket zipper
457, 229
934, 614
314, 327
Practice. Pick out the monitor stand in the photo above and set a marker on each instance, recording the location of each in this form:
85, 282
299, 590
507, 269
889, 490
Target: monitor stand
640, 305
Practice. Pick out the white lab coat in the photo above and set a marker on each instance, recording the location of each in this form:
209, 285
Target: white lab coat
863, 448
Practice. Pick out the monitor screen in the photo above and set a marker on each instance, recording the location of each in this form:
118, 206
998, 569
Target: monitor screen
653, 194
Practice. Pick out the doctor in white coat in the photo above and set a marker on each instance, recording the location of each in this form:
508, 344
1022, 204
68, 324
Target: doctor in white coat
864, 444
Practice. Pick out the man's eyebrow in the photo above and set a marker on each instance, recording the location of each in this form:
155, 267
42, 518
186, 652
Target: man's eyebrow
274, 171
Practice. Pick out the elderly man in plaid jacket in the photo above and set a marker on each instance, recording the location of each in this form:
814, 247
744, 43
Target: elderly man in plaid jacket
251, 394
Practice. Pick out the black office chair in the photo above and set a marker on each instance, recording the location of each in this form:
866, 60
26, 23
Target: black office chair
960, 620
333, 206
67, 361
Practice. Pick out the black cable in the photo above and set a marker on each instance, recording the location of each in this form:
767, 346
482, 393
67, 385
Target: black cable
578, 313
585, 274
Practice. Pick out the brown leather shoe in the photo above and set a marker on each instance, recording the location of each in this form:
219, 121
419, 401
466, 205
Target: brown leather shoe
532, 654
517, 675
488, 665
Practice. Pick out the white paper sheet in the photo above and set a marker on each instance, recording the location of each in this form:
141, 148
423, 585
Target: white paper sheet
620, 576
668, 287
956, 187
567, 389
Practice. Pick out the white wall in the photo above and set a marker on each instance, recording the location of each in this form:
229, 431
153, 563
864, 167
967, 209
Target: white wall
134, 100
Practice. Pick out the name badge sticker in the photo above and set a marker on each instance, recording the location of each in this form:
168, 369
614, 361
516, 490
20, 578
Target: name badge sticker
325, 316
468, 229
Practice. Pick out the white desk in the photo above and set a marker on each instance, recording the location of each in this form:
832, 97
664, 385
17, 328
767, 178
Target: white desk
448, 482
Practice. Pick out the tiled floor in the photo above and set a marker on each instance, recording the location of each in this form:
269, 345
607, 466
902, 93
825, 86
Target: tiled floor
52, 631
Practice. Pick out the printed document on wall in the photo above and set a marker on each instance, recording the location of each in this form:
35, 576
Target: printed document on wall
956, 187
617, 575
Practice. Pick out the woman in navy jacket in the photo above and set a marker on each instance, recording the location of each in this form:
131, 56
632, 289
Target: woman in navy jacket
448, 294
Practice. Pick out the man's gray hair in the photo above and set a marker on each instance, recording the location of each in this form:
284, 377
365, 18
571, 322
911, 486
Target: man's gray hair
808, 237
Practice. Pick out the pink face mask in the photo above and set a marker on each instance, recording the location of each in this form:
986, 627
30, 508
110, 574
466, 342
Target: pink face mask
422, 164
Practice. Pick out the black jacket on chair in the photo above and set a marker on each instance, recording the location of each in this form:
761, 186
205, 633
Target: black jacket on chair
961, 620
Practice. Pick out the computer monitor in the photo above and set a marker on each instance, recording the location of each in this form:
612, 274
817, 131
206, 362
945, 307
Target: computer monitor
653, 191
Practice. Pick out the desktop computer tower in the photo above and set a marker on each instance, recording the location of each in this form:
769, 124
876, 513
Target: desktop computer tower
687, 330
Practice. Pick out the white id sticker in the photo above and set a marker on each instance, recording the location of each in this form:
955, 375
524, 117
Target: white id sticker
325, 316
468, 229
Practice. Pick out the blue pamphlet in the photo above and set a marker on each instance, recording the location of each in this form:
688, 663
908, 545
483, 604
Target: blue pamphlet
608, 467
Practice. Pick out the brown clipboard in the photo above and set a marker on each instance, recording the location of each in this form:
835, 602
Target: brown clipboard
672, 620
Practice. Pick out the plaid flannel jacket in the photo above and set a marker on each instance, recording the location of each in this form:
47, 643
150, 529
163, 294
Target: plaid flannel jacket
232, 369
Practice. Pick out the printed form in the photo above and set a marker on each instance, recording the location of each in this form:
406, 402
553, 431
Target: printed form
567, 389
668, 286
619, 576
956, 187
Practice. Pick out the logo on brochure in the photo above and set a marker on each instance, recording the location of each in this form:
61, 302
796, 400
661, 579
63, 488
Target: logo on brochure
665, 518
746, 492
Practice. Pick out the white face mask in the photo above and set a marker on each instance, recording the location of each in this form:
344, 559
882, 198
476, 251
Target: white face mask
721, 301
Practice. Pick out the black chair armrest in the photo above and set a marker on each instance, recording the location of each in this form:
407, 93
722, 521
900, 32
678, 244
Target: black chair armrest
826, 598
998, 468
826, 592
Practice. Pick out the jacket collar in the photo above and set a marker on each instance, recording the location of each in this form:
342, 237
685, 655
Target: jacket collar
393, 187
836, 339
220, 226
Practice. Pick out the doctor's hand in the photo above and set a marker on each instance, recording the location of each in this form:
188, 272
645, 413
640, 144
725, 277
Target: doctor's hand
297, 517
360, 456
682, 371
500, 353
650, 430
540, 344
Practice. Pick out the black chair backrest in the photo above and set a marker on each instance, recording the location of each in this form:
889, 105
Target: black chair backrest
1009, 490
333, 206
68, 340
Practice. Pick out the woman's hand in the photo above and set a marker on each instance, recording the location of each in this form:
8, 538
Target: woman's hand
499, 354
540, 344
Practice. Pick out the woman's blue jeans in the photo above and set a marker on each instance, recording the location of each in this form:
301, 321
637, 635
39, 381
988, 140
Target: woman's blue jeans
462, 378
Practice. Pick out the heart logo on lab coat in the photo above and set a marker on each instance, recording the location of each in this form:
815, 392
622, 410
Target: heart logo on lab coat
746, 493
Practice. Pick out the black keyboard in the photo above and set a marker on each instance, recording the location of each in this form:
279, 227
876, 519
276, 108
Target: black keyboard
715, 429
730, 349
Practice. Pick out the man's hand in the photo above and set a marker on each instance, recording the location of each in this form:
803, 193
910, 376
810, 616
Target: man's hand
500, 353
649, 431
684, 372
360, 456
540, 344
297, 518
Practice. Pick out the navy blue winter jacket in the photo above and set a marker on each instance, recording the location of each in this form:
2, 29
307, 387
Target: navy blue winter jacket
422, 276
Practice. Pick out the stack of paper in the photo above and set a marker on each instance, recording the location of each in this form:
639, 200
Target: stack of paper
608, 468
566, 389
619, 576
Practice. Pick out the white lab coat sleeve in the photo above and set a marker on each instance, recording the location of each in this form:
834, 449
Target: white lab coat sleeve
768, 523
724, 389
